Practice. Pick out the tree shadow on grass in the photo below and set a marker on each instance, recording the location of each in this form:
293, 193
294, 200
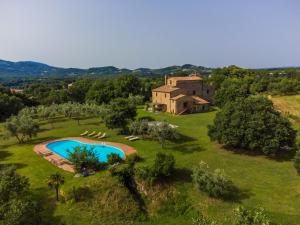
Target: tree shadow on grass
132, 187
238, 195
280, 157
187, 148
4, 154
16, 165
183, 139
48, 206
182, 175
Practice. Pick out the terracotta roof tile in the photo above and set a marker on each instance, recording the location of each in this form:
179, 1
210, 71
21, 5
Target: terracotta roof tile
165, 88
178, 97
199, 100
186, 78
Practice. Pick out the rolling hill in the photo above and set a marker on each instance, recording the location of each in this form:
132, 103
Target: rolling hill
10, 69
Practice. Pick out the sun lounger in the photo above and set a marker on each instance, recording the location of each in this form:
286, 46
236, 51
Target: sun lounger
91, 134
134, 138
128, 137
102, 136
97, 135
84, 133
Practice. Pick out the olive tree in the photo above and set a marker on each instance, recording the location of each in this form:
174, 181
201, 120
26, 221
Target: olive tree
22, 126
162, 132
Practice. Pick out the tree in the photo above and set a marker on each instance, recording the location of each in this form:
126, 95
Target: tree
231, 89
16, 204
215, 183
253, 124
139, 127
47, 112
9, 105
118, 113
58, 96
12, 185
101, 91
82, 157
127, 85
73, 111
136, 99
55, 181
79, 89
22, 127
285, 86
162, 132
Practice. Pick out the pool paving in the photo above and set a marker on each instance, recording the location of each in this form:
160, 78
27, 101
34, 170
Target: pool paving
66, 165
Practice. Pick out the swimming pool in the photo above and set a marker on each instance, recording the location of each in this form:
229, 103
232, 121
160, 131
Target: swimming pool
62, 148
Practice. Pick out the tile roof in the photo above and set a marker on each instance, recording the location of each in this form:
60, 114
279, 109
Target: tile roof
186, 78
199, 100
178, 97
165, 88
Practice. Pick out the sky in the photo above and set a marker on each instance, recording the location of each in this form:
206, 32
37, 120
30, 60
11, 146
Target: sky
151, 33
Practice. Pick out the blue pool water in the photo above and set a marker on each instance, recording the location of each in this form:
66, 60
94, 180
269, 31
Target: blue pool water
102, 151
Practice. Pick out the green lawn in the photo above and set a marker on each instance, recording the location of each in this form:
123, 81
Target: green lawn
264, 182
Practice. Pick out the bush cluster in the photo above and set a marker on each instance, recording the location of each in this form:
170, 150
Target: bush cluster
215, 183
163, 167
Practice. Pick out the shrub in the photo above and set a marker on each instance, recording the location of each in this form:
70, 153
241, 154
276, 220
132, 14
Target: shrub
215, 183
82, 157
133, 158
244, 216
114, 158
202, 220
163, 167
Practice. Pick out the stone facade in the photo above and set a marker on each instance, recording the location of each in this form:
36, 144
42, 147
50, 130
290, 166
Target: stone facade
183, 95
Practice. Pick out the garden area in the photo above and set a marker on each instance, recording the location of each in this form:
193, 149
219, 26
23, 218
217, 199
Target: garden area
237, 164
261, 181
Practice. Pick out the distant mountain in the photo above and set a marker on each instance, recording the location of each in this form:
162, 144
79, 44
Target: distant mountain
35, 69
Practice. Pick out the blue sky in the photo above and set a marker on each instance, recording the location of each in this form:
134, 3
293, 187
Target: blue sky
151, 33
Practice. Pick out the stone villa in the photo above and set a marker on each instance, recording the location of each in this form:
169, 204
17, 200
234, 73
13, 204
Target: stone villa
180, 95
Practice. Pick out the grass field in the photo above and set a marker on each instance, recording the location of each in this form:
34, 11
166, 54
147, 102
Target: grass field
290, 104
269, 183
